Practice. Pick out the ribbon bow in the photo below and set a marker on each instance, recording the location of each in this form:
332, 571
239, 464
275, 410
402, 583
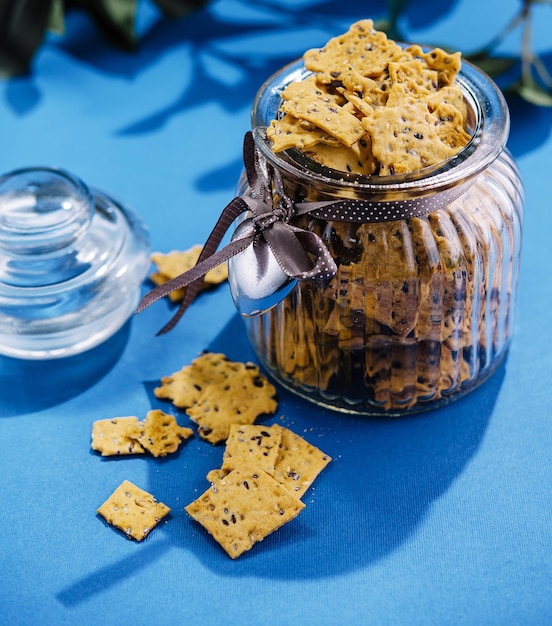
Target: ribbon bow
300, 254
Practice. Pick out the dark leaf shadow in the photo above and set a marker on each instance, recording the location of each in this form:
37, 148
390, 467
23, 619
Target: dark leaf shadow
28, 386
421, 13
22, 95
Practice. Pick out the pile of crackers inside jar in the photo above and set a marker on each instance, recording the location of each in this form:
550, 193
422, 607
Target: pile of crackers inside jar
368, 106
373, 107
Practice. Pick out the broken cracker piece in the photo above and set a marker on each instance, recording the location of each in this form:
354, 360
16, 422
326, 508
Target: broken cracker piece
217, 392
161, 433
177, 262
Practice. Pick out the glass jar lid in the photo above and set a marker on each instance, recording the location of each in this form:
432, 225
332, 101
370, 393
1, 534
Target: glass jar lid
72, 260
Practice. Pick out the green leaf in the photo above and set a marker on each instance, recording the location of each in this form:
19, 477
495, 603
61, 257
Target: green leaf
23, 25
492, 65
179, 8
384, 25
532, 92
396, 7
118, 18
56, 21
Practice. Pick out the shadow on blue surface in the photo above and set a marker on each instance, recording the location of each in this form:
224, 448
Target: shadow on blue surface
384, 479
212, 35
28, 386
385, 476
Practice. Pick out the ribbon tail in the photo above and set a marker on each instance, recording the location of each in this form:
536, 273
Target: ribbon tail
324, 266
287, 249
192, 280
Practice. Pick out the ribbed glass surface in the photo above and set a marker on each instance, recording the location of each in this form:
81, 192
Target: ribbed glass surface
421, 309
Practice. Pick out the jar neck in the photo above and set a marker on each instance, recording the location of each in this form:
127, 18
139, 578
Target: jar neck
488, 124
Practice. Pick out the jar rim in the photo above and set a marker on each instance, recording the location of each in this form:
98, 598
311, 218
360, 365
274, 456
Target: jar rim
490, 120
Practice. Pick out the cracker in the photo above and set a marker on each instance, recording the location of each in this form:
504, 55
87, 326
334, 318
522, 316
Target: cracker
298, 462
416, 73
311, 86
447, 65
358, 159
133, 510
321, 111
449, 126
179, 261
217, 393
244, 398
450, 94
362, 47
161, 433
186, 387
405, 138
253, 445
117, 436
290, 132
244, 507
367, 89
355, 78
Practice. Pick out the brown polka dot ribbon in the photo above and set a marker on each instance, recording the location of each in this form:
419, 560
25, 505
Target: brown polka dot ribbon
301, 254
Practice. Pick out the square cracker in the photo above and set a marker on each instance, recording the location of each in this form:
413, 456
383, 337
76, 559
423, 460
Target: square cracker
244, 507
133, 510
161, 433
251, 444
117, 436
298, 462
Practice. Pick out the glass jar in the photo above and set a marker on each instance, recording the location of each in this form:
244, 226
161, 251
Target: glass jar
421, 309
72, 262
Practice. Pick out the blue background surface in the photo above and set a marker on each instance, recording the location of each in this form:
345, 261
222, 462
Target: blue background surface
441, 518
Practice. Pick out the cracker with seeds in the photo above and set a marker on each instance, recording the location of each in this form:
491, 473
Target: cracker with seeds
133, 511
415, 72
243, 507
117, 436
358, 159
405, 138
291, 132
446, 65
217, 392
298, 463
326, 115
411, 112
367, 50
177, 262
251, 444
161, 433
